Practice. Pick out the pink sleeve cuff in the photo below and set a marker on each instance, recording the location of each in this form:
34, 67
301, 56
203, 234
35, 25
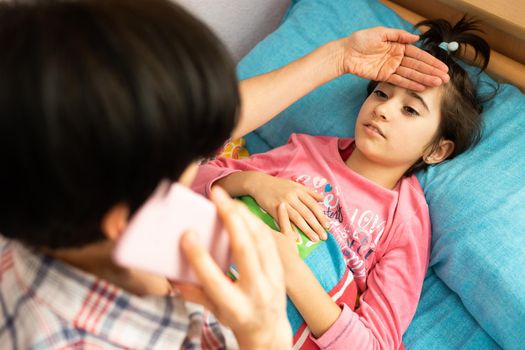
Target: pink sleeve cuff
223, 175
330, 338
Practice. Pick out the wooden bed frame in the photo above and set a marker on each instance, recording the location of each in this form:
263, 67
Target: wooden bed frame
502, 21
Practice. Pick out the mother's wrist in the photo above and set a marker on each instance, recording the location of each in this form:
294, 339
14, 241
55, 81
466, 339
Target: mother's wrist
278, 336
337, 50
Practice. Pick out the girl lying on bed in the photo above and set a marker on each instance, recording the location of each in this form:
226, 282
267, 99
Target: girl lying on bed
366, 187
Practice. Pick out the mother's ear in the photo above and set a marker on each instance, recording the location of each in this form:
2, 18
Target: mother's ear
115, 221
440, 152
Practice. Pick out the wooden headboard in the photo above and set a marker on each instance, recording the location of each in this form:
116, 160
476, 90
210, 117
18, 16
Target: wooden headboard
503, 22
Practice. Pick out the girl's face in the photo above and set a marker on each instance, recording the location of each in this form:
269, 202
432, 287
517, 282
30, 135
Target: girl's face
395, 126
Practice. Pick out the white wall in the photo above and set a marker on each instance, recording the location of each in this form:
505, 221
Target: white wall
241, 24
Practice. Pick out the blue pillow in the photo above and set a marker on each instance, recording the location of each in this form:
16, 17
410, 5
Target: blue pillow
477, 201
442, 323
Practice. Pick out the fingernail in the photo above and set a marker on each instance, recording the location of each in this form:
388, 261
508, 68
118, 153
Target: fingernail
314, 239
190, 239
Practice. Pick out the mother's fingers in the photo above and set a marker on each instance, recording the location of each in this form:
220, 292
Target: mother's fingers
423, 56
424, 68
265, 247
252, 243
210, 275
418, 77
399, 35
195, 295
241, 241
403, 82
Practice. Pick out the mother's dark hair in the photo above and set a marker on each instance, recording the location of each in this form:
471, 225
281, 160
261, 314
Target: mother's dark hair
461, 103
99, 101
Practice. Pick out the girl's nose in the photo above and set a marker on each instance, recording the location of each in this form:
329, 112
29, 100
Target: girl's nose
382, 111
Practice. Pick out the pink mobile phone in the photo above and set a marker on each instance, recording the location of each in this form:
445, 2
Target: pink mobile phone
151, 241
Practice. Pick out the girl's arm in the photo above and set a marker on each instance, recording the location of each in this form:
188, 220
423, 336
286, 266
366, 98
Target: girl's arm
386, 306
316, 307
302, 202
376, 53
256, 176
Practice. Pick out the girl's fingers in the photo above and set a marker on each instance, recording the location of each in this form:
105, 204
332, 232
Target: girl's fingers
311, 218
317, 210
317, 196
284, 222
298, 220
306, 220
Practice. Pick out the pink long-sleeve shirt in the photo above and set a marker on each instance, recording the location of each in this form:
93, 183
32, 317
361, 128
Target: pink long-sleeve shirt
384, 234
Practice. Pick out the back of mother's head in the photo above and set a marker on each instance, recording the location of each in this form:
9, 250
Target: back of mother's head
99, 101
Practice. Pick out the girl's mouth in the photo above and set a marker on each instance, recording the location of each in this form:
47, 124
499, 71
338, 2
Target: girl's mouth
374, 129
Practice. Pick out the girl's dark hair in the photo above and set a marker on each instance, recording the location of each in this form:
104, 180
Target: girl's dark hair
99, 101
461, 105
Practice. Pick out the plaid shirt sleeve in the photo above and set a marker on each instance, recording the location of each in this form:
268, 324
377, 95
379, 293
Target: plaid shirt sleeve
46, 304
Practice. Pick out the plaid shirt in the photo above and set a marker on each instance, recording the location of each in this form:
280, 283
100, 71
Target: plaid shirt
47, 304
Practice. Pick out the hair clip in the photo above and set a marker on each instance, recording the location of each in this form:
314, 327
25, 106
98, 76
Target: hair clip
449, 47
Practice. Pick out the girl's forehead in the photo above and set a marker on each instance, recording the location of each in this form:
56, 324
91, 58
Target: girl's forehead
431, 90
430, 97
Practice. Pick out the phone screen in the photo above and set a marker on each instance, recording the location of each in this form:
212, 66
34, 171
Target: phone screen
151, 241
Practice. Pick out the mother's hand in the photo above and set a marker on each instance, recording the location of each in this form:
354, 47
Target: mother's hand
386, 54
254, 306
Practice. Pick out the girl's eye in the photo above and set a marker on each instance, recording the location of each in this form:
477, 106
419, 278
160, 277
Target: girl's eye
410, 111
379, 93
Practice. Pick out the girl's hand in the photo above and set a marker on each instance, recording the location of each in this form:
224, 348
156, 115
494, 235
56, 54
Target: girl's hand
286, 239
385, 54
302, 203
254, 306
